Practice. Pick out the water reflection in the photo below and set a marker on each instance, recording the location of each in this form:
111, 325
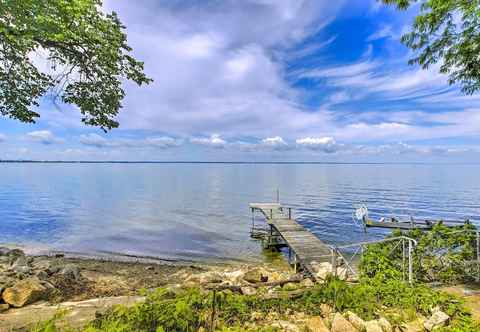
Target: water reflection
200, 211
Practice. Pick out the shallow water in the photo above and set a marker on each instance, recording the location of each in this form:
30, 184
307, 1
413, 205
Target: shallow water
200, 211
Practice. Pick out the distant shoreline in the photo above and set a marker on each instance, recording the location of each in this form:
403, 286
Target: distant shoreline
230, 162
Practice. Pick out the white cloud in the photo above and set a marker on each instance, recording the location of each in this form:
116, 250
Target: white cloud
215, 75
214, 141
94, 140
325, 144
44, 136
275, 143
98, 141
384, 32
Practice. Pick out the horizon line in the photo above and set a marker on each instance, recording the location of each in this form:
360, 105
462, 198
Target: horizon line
12, 161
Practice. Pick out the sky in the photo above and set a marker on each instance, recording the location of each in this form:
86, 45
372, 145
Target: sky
266, 80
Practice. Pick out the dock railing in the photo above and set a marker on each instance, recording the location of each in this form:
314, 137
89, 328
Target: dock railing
343, 257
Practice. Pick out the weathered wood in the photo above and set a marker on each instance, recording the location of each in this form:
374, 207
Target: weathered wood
305, 246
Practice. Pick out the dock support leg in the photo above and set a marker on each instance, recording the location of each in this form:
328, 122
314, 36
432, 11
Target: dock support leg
410, 263
478, 257
334, 262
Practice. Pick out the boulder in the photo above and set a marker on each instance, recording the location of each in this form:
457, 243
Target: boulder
24, 292
340, 324
285, 326
4, 307
326, 309
316, 324
234, 276
356, 321
290, 286
385, 324
71, 271
438, 319
373, 326
205, 278
323, 270
246, 290
307, 283
254, 276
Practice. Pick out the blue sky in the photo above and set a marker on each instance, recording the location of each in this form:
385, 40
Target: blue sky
266, 80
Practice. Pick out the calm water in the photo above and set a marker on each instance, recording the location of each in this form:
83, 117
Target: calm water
200, 211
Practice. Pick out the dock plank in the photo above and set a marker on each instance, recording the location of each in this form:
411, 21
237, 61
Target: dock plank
307, 247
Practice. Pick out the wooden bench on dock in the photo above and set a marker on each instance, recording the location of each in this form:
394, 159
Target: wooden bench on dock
284, 231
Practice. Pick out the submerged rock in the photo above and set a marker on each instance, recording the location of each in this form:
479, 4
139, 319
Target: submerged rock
4, 307
24, 292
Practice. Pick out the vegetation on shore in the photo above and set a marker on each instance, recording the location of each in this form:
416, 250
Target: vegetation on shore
380, 292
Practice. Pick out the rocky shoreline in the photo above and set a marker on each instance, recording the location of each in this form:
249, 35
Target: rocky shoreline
35, 288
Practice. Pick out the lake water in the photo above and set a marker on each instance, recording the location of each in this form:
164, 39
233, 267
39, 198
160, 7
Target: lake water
200, 211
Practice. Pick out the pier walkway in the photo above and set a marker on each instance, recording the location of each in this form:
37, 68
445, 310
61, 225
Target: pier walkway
304, 247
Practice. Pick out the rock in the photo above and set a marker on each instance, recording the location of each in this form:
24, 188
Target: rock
257, 315
307, 283
285, 326
414, 326
246, 290
204, 278
53, 269
6, 282
234, 276
71, 271
316, 324
24, 292
14, 253
385, 324
42, 275
326, 309
22, 269
253, 276
149, 268
323, 270
438, 319
356, 321
373, 326
20, 261
4, 307
290, 286
42, 265
340, 324
4, 251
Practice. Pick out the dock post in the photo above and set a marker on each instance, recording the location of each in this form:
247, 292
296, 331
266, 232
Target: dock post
410, 262
478, 257
253, 222
403, 259
271, 214
278, 195
290, 213
334, 262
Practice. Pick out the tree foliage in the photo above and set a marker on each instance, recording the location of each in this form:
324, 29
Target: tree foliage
446, 32
86, 58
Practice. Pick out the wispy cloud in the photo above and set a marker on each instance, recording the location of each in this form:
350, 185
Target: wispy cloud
98, 141
214, 141
44, 137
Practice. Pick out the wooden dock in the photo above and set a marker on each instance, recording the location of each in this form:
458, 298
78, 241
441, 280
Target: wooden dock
283, 230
